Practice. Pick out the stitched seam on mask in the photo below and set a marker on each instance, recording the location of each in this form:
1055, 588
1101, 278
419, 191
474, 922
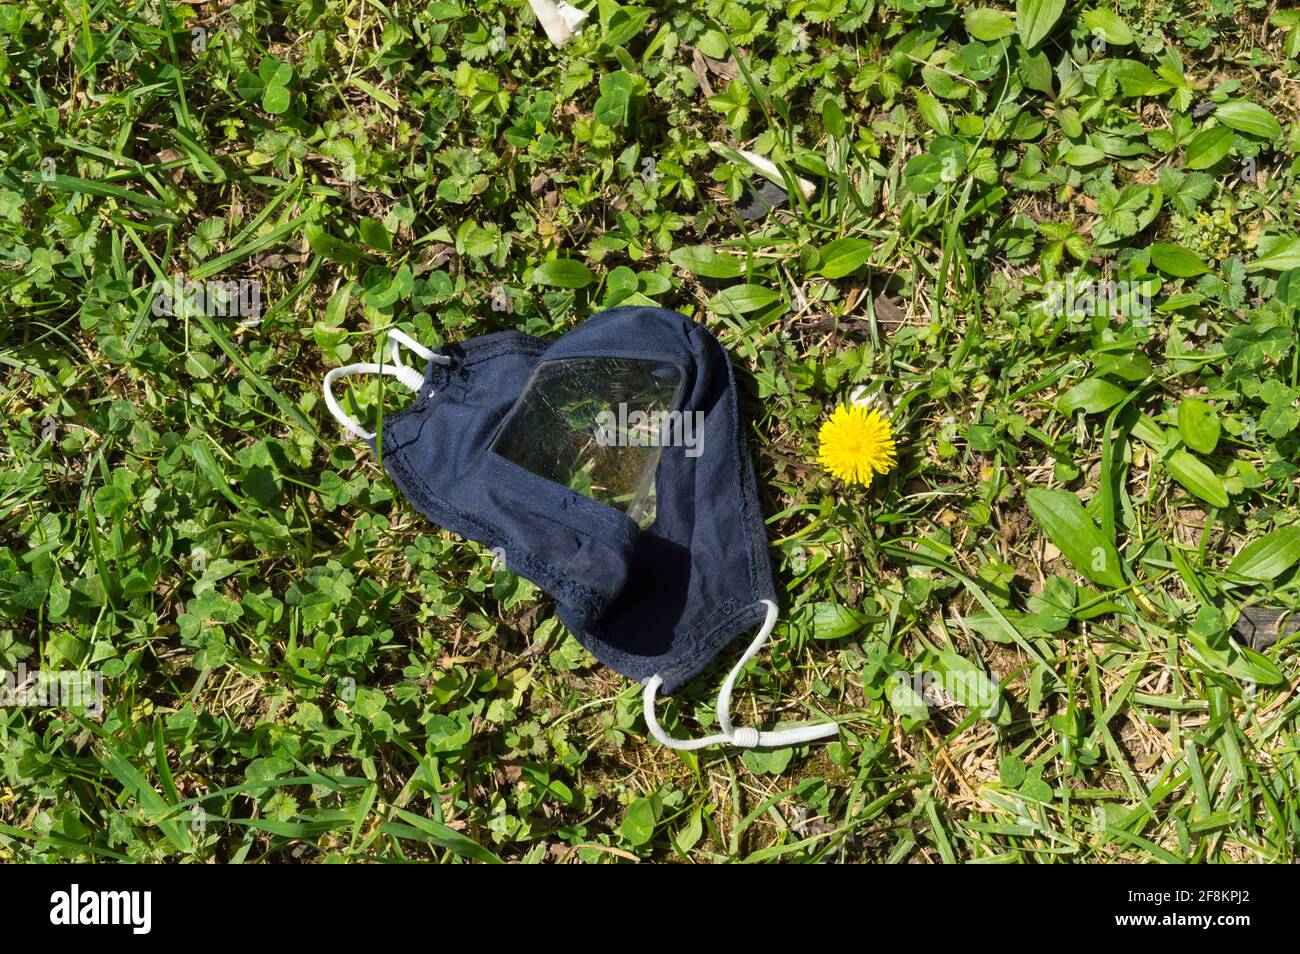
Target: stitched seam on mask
700, 638
746, 487
475, 354
481, 353
554, 579
716, 639
716, 636
748, 504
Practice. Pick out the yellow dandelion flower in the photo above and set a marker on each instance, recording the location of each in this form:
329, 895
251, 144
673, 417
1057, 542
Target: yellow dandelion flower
857, 442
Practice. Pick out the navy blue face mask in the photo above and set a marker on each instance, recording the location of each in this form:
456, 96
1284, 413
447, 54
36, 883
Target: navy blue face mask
609, 467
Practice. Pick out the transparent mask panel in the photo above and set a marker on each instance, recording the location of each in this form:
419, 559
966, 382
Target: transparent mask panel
590, 424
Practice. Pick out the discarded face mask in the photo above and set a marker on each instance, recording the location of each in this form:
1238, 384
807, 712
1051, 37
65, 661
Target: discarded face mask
609, 467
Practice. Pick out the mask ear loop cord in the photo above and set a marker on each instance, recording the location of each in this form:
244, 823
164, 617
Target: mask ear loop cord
409, 377
745, 737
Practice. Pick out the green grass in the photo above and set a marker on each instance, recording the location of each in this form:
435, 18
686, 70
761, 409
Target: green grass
297, 667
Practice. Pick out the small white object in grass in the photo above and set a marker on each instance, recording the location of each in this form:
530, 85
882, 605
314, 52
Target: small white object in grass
559, 20
572, 15
770, 171
798, 299
859, 395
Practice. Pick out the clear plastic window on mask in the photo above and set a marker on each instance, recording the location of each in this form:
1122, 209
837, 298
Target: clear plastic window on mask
594, 425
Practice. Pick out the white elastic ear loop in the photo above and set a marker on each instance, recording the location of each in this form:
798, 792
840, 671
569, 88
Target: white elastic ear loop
745, 737
397, 336
406, 375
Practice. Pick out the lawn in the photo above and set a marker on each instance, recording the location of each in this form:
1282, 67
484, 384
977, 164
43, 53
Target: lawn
1057, 242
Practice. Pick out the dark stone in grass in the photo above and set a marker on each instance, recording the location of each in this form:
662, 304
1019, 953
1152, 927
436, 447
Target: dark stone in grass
757, 201
1261, 626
